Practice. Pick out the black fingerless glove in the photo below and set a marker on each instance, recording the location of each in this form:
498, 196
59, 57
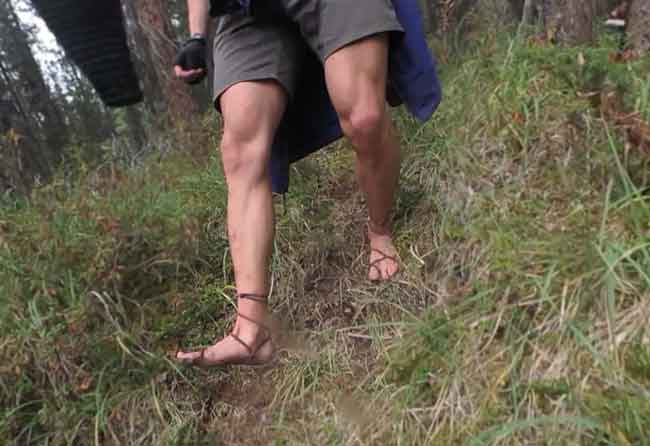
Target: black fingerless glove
192, 56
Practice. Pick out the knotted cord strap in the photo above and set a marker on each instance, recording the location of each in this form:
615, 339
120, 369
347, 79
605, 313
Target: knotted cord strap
256, 297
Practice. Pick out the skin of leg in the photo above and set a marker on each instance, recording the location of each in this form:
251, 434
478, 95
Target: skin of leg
251, 112
356, 80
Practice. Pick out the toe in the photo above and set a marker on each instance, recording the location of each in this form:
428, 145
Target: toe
388, 268
374, 273
393, 268
386, 272
186, 357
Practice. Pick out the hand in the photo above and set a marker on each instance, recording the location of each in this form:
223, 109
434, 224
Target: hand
190, 62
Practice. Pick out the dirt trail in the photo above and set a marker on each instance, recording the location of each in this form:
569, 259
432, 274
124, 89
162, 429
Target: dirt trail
335, 297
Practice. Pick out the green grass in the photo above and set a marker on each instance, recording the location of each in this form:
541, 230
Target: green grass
520, 316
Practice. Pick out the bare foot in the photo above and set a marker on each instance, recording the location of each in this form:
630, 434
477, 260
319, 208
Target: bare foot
232, 350
383, 257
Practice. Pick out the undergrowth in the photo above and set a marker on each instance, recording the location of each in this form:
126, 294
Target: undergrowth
520, 316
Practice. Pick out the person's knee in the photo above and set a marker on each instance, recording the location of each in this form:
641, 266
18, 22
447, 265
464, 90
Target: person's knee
244, 155
363, 124
251, 111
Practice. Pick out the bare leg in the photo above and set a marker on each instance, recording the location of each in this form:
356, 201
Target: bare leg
356, 80
252, 112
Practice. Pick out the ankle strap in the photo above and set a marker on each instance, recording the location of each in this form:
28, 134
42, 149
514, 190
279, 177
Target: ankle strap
251, 320
255, 297
374, 227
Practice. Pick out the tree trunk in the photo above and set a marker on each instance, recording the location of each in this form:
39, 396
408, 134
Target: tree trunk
89, 120
136, 128
154, 21
569, 22
602, 8
517, 8
22, 148
528, 12
638, 26
525, 11
429, 15
29, 85
144, 63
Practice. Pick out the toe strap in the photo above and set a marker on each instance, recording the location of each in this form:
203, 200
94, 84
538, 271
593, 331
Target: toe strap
375, 263
383, 257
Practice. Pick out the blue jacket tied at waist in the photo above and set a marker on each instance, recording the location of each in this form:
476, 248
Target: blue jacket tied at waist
310, 121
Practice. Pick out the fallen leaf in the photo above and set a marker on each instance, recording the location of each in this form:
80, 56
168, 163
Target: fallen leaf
84, 385
518, 118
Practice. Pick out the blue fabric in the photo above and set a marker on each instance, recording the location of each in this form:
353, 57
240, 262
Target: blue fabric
310, 121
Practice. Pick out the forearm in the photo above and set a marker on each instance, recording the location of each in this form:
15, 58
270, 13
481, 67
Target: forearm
199, 13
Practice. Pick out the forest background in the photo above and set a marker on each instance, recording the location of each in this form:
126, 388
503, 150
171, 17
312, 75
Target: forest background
520, 316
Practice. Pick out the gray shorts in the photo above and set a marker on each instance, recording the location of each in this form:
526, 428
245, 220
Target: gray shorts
249, 49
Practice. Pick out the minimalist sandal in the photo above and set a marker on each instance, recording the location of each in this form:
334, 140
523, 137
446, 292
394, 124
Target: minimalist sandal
248, 359
374, 264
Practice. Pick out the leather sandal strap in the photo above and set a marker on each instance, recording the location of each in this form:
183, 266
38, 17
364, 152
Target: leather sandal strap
261, 298
383, 257
251, 352
374, 264
201, 359
259, 324
248, 348
376, 268
260, 345
256, 297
